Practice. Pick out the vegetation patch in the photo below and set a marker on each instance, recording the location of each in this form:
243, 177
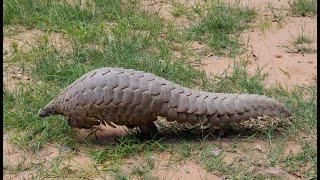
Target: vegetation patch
221, 27
303, 7
302, 43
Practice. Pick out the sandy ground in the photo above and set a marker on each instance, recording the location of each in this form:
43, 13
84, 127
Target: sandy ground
264, 50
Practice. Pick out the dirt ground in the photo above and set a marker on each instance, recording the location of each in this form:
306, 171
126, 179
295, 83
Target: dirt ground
265, 49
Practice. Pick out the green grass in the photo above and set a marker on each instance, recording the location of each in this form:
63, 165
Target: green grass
127, 147
141, 170
303, 7
264, 25
87, 25
302, 39
304, 49
178, 9
302, 43
131, 38
221, 27
277, 14
198, 9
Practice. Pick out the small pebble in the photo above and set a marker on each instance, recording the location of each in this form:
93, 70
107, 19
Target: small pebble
278, 56
215, 152
5, 136
258, 147
216, 58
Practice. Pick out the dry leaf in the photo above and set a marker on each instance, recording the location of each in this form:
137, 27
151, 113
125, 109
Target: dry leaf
271, 170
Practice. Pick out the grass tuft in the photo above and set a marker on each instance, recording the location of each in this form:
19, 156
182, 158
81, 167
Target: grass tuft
178, 9
301, 44
221, 27
303, 7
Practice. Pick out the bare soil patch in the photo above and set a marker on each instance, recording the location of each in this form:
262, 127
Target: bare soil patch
28, 37
83, 3
12, 76
187, 169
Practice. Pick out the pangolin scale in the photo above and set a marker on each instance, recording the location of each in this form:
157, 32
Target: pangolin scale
135, 98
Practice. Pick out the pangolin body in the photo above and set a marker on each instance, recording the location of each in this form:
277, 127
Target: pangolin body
135, 98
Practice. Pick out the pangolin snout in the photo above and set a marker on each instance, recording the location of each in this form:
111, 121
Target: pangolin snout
42, 113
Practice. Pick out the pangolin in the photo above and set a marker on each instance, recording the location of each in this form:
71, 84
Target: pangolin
135, 98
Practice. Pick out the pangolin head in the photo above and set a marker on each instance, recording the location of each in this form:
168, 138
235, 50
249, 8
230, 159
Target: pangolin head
47, 110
